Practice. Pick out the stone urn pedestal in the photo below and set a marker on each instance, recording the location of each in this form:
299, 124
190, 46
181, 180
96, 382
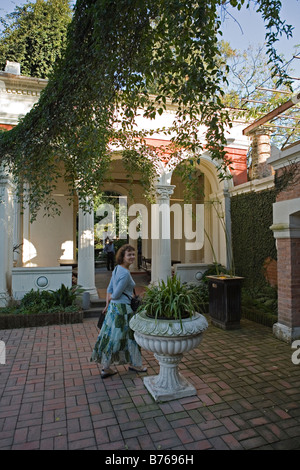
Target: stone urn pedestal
168, 340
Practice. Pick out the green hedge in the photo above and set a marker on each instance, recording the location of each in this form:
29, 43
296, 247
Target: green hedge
260, 306
259, 317
43, 308
252, 239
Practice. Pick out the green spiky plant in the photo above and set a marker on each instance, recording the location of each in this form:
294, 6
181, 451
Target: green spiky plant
171, 300
66, 296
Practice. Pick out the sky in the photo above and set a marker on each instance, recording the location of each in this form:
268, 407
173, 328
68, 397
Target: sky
247, 27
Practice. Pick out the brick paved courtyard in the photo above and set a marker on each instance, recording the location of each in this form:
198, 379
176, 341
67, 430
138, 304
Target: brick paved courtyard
52, 397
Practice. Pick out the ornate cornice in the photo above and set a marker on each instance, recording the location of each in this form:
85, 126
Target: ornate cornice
18, 95
17, 86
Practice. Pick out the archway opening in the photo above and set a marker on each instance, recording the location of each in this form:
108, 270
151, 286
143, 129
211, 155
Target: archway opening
109, 224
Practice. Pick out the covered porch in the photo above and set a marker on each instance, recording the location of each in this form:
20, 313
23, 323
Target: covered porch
172, 233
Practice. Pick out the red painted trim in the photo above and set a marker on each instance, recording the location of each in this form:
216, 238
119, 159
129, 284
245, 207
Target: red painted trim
8, 127
237, 157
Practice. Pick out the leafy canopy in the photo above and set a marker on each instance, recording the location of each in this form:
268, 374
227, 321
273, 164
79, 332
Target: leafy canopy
35, 35
118, 51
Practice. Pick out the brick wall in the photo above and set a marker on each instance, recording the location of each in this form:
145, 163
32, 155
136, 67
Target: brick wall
270, 271
293, 190
288, 251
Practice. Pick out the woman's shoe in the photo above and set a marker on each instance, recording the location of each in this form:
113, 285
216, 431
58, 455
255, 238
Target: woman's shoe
108, 373
138, 369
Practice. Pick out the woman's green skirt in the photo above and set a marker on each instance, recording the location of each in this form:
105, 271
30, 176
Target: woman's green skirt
115, 343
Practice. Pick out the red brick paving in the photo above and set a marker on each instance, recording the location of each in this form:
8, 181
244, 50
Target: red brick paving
52, 397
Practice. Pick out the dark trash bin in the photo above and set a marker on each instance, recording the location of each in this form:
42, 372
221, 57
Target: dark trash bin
225, 301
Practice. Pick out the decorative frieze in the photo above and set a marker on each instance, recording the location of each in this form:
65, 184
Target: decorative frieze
18, 91
17, 96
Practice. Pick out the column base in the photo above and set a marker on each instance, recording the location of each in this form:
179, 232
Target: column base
92, 291
286, 333
4, 298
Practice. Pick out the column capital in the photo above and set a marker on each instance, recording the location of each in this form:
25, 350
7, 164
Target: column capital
164, 191
260, 131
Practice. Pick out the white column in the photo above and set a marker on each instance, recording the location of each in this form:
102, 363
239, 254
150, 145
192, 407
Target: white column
27, 249
17, 233
160, 233
6, 238
133, 243
189, 255
86, 253
132, 240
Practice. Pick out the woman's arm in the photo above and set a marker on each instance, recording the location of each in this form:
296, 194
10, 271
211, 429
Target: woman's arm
121, 285
108, 294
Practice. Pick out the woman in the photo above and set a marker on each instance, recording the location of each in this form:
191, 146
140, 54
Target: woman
116, 343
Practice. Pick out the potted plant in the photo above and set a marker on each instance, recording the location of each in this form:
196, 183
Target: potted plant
167, 324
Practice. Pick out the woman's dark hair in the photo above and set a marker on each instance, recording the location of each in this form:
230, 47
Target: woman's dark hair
121, 253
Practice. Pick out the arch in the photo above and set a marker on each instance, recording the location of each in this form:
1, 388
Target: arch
216, 215
107, 212
209, 168
110, 186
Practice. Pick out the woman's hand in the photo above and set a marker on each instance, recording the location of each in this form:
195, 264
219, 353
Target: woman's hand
108, 299
105, 309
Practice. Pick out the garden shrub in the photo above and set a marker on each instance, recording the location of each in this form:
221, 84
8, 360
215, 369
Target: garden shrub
36, 301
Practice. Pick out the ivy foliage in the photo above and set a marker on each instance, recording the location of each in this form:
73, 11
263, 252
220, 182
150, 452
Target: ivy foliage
252, 240
35, 36
118, 51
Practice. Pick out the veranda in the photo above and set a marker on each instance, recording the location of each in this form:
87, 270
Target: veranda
51, 247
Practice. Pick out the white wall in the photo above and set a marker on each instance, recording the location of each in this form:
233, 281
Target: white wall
49, 239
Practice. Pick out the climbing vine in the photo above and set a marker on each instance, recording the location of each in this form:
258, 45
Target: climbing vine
118, 53
252, 240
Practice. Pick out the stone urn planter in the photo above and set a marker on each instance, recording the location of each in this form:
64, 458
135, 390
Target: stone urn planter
167, 325
168, 340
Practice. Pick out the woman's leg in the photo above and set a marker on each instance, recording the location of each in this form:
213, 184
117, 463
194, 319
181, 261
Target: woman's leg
136, 363
106, 369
